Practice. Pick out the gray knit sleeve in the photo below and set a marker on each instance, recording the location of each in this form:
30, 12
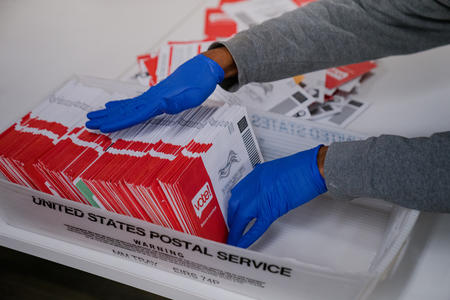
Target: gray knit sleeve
413, 173
329, 33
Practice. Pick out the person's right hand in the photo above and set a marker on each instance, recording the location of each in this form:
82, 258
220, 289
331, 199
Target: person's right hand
187, 87
272, 189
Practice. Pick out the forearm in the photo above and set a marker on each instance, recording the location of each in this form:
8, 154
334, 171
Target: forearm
413, 173
328, 33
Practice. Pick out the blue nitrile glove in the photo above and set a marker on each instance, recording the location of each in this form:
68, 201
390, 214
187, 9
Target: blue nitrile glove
271, 190
187, 87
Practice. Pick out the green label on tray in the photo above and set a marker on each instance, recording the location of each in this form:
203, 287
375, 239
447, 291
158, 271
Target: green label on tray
90, 197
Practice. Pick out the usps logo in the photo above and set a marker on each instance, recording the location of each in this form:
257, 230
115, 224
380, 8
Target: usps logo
202, 199
232, 158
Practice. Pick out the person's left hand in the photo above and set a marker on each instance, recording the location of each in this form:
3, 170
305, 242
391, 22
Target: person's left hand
187, 87
271, 190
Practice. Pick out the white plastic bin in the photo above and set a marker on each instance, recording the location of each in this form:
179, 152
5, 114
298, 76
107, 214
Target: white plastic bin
326, 249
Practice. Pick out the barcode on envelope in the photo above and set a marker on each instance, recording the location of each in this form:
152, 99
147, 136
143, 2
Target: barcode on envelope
250, 146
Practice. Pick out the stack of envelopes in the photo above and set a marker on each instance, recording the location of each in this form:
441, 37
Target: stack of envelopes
173, 170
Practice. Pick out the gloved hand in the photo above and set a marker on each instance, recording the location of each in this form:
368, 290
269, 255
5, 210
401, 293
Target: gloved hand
187, 87
271, 190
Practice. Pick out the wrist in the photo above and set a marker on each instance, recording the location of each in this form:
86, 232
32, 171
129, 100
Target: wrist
224, 59
317, 178
321, 154
306, 165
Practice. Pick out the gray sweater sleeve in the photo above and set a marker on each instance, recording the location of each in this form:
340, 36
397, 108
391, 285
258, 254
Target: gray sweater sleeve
414, 173
330, 33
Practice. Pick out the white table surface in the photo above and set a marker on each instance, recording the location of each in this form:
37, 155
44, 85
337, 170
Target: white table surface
45, 42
